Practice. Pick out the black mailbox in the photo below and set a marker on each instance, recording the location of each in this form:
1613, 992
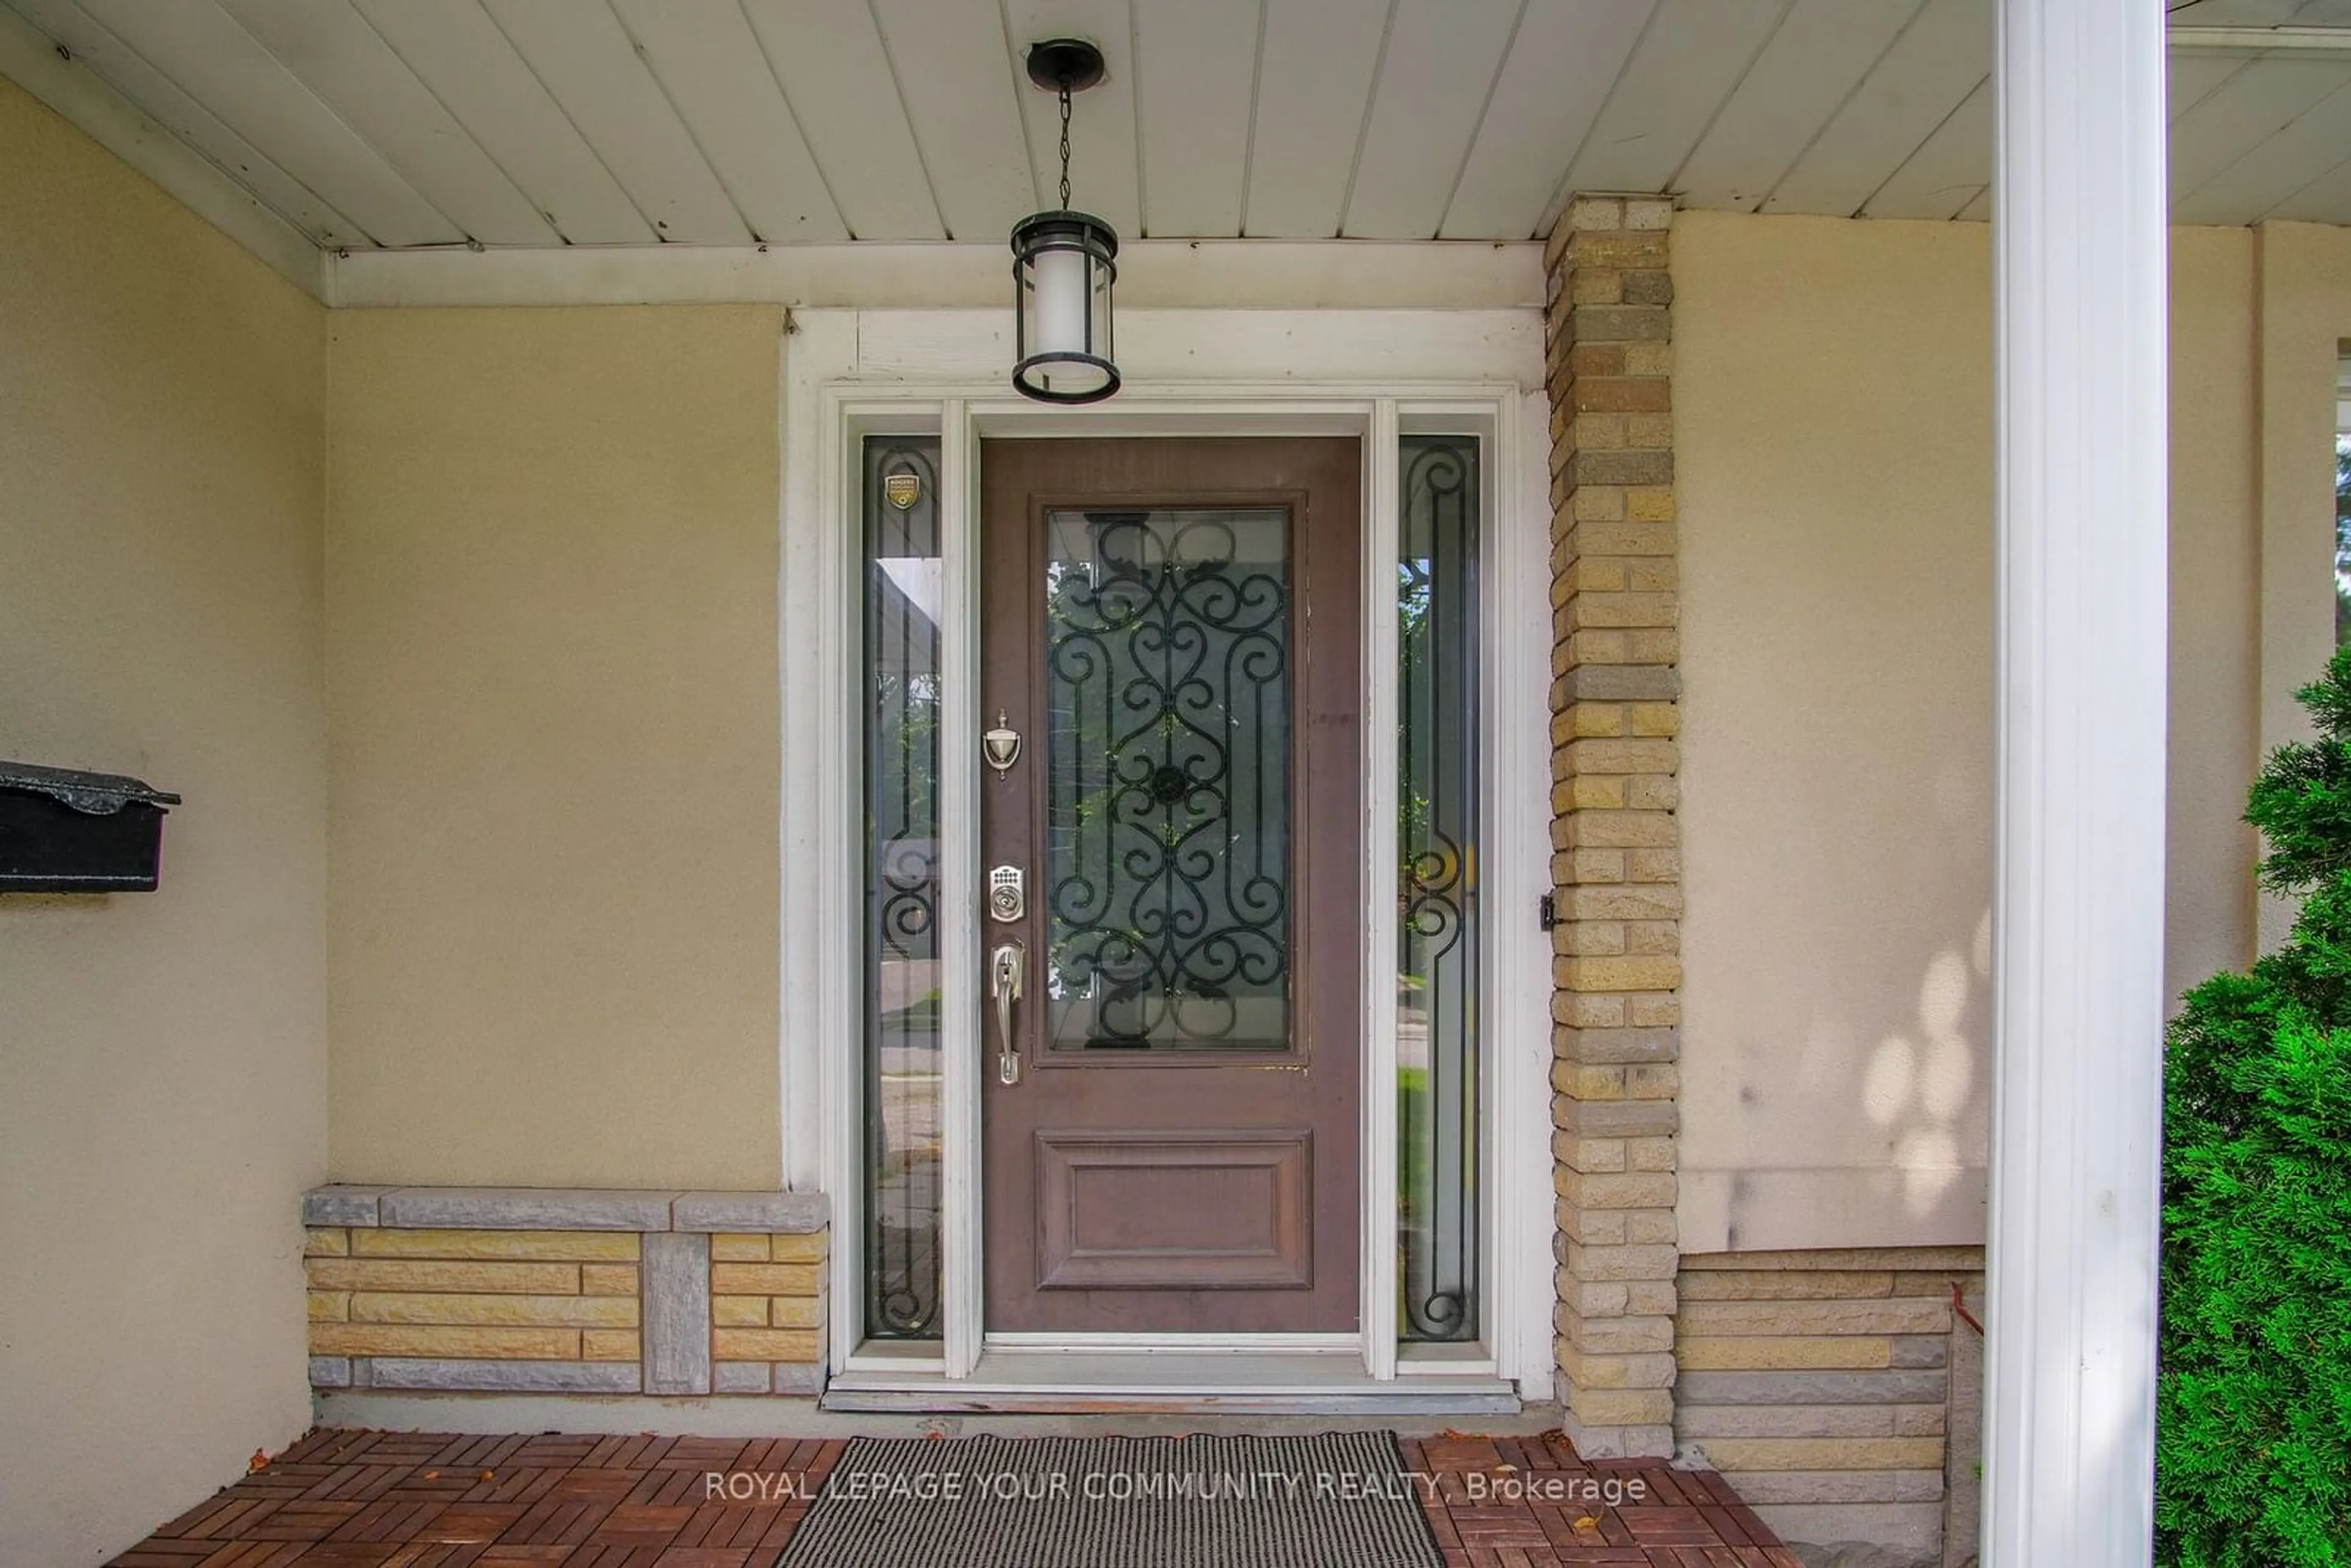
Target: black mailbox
67, 831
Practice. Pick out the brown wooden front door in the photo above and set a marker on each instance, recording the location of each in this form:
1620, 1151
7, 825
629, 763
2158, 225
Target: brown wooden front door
1172, 629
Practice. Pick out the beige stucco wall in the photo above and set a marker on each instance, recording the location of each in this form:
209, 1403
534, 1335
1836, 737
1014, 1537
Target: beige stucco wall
2303, 288
552, 538
1833, 434
2216, 625
552, 658
163, 1056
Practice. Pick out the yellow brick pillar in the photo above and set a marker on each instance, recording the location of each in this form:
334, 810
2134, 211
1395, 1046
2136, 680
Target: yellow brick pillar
1616, 844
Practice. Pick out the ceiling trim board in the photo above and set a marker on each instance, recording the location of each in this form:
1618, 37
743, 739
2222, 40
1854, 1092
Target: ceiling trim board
1238, 274
30, 59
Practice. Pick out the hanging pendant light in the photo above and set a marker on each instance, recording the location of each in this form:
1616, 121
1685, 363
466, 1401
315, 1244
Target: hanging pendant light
1064, 264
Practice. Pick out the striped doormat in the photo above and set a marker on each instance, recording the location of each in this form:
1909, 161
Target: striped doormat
1118, 1502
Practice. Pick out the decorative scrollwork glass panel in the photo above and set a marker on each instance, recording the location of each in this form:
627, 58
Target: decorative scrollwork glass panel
1167, 686
902, 586
1436, 961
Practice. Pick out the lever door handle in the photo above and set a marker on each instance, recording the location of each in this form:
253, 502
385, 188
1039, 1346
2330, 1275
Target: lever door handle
1006, 968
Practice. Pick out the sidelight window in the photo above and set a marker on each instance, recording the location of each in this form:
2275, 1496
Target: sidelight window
903, 583
1436, 960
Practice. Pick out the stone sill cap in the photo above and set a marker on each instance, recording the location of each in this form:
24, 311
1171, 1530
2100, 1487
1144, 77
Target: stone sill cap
563, 1209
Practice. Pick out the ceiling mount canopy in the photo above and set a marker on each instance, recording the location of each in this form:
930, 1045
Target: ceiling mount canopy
1065, 64
1065, 263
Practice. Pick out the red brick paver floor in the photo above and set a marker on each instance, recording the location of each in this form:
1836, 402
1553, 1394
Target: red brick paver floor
1533, 1502
423, 1499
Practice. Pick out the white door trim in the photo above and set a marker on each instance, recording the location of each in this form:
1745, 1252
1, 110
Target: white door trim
848, 375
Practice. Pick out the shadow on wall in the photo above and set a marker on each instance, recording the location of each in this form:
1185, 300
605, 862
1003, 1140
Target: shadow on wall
1865, 1126
1919, 1084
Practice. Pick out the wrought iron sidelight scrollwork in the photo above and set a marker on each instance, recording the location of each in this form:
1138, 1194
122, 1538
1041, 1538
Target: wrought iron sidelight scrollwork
1433, 890
908, 873
1436, 893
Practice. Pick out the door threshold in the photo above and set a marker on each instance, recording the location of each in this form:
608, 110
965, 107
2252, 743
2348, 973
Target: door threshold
1160, 1383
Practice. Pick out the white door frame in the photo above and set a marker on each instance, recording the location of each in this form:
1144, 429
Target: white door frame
1375, 374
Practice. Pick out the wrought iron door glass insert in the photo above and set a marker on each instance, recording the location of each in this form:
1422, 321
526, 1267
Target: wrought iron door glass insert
904, 581
1168, 780
1436, 961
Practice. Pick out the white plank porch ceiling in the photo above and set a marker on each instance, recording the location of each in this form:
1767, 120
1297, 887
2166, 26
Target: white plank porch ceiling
402, 124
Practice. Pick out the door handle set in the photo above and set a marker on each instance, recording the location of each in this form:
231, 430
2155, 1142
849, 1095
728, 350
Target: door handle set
1007, 975
1008, 905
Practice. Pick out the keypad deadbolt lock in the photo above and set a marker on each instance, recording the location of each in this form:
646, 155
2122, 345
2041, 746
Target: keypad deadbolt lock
1007, 894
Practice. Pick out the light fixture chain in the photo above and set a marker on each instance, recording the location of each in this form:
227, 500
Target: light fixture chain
1065, 144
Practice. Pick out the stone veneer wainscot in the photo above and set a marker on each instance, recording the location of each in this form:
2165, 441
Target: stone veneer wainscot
1839, 1392
566, 1290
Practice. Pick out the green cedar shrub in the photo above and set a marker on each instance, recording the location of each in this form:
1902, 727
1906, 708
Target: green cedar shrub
2254, 1394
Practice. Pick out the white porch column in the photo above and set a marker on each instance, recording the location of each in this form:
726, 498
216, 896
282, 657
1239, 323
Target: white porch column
2079, 237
